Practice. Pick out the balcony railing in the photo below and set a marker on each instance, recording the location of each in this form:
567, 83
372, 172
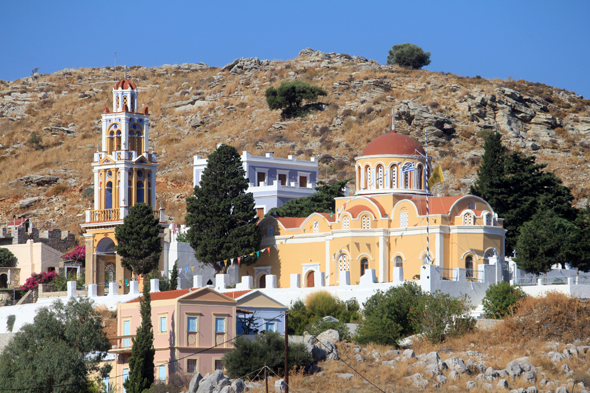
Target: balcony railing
104, 215
121, 343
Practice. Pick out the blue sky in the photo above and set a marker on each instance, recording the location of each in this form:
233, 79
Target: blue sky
540, 41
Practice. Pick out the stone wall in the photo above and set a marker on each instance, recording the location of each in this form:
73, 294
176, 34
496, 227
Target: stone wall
55, 238
14, 274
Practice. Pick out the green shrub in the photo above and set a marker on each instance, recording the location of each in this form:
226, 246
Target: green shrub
10, 322
268, 348
57, 189
409, 56
317, 306
7, 258
387, 315
35, 142
299, 318
438, 315
290, 95
320, 326
501, 299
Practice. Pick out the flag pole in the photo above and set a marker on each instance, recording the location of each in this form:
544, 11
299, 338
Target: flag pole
427, 198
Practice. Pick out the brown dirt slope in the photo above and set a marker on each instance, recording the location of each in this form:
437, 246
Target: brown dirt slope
195, 106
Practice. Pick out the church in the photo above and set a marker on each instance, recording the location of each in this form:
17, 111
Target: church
124, 174
392, 221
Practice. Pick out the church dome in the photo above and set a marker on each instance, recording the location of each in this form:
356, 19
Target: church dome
125, 84
394, 144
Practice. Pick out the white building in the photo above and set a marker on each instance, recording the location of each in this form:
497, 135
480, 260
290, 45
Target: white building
273, 181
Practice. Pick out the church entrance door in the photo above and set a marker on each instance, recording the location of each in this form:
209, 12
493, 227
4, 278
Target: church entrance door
310, 280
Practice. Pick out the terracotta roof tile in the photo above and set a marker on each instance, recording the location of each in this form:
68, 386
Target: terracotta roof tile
393, 143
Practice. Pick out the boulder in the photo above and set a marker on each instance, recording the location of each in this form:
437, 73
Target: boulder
210, 382
457, 364
471, 384
389, 363
561, 389
488, 386
332, 336
238, 386
532, 389
513, 369
28, 202
529, 376
280, 386
194, 384
39, 180
503, 384
441, 379
392, 353
409, 354
345, 376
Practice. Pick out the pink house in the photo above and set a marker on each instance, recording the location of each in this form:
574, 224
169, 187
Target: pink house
187, 324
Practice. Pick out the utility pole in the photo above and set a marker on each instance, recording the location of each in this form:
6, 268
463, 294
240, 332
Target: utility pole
286, 351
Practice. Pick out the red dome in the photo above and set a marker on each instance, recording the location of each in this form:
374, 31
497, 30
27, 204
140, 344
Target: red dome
125, 84
393, 143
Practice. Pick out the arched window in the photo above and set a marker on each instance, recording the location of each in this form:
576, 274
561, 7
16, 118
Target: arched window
109, 196
419, 177
403, 218
118, 140
343, 263
469, 266
406, 180
132, 109
468, 219
368, 184
380, 175
118, 105
128, 202
140, 192
393, 176
366, 222
316, 226
489, 219
124, 102
398, 261
358, 179
364, 266
262, 281
110, 142
487, 256
346, 222
270, 231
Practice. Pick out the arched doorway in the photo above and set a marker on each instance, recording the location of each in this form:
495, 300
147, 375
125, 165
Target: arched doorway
3, 280
262, 281
310, 280
106, 246
109, 272
364, 266
469, 266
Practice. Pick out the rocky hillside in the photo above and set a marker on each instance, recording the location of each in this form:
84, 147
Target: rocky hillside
50, 125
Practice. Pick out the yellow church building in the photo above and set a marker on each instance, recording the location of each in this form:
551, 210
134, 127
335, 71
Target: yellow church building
383, 226
124, 174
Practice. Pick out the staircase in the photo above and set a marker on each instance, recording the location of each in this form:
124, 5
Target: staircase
478, 312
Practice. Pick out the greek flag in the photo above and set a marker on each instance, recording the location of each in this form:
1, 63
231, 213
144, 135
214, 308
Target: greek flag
408, 167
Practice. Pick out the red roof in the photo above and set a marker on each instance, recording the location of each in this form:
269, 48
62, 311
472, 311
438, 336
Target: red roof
393, 143
437, 205
356, 210
236, 294
125, 84
291, 222
241, 310
17, 222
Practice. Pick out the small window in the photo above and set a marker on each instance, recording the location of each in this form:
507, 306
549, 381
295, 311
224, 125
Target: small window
191, 324
488, 219
283, 179
303, 181
364, 266
393, 183
191, 366
260, 178
346, 222
368, 183
379, 177
316, 226
270, 231
219, 325
162, 373
468, 219
343, 264
469, 266
366, 222
218, 365
125, 377
163, 324
270, 327
403, 219
398, 261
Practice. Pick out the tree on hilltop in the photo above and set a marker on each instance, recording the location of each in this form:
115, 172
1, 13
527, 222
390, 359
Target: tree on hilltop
221, 214
138, 240
409, 56
290, 95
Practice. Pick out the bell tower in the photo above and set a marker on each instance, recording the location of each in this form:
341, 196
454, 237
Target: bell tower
124, 174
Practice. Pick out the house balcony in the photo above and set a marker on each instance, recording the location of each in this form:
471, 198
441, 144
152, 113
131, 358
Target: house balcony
118, 214
121, 344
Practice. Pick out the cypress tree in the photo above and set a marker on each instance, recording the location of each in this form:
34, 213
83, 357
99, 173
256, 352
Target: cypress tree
221, 215
141, 362
174, 276
138, 240
491, 173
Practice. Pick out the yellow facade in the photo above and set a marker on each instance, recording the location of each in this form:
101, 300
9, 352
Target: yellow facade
385, 224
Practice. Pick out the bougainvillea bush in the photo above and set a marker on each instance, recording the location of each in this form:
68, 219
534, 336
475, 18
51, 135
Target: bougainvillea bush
38, 278
77, 255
